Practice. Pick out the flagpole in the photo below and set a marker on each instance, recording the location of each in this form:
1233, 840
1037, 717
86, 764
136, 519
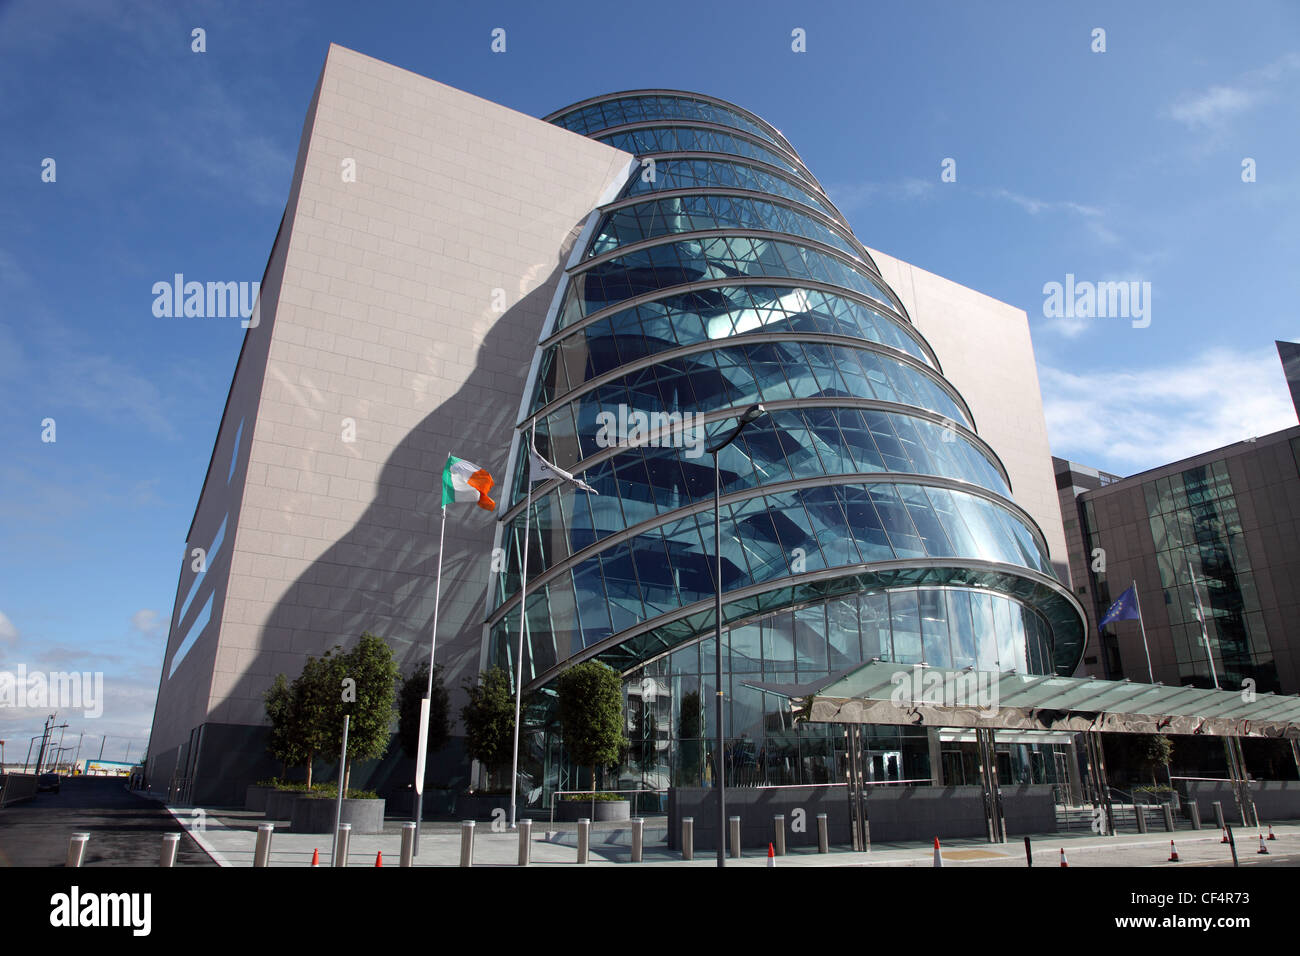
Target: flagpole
523, 615
1142, 624
422, 747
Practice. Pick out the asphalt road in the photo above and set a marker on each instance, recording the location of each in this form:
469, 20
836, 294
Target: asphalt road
125, 830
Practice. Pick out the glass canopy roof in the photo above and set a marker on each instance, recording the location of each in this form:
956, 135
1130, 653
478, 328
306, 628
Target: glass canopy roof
886, 692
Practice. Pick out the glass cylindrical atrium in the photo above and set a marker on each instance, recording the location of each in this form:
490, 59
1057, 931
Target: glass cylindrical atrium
862, 518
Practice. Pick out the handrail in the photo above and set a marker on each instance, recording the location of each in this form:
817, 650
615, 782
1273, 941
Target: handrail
885, 783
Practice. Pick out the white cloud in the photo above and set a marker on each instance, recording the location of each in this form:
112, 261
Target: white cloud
1211, 109
850, 195
8, 633
144, 620
1093, 217
1213, 106
1129, 421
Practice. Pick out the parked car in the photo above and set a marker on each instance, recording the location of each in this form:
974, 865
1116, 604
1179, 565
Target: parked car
48, 781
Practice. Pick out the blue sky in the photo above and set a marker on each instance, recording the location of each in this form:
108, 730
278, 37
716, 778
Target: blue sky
1122, 165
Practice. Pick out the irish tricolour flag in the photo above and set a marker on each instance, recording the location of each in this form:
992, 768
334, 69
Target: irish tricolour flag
465, 481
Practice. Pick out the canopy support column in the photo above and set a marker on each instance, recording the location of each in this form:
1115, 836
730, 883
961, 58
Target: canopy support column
1240, 782
993, 813
1099, 784
936, 757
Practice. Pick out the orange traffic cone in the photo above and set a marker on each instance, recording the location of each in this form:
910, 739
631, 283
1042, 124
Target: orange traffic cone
1173, 852
379, 858
1065, 864
1270, 832
1225, 836
315, 857
938, 860
771, 855
1263, 850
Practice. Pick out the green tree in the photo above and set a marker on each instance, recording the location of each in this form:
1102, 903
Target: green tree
489, 718
314, 694
591, 714
1152, 753
361, 684
408, 711
284, 709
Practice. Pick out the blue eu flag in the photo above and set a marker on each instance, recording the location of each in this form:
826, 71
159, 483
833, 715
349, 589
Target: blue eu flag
1124, 609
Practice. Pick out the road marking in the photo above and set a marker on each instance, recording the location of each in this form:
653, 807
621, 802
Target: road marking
217, 856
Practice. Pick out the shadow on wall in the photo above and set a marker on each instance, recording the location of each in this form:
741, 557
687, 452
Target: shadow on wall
380, 575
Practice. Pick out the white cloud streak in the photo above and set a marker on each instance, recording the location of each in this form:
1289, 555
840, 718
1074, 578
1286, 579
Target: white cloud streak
1213, 108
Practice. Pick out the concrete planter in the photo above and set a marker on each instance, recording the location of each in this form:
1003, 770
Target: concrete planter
279, 804
316, 815
255, 797
605, 810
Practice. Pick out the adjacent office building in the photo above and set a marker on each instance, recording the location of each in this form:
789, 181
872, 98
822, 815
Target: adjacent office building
1212, 538
1210, 545
623, 278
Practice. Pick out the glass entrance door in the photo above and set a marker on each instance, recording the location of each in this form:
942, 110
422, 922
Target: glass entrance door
884, 765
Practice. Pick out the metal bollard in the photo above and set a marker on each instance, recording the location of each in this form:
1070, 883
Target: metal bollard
169, 844
823, 836
1140, 815
778, 831
467, 843
525, 842
638, 839
408, 844
733, 835
262, 852
1218, 814
1169, 818
341, 841
584, 839
1195, 809
688, 838
77, 848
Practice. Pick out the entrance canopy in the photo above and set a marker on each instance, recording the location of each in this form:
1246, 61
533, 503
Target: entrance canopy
886, 692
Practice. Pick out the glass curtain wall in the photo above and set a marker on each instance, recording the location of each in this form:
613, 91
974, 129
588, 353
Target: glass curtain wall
863, 517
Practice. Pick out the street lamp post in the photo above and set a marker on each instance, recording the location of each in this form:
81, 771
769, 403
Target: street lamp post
719, 764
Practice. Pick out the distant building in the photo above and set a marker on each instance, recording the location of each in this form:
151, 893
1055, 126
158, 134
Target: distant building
1220, 530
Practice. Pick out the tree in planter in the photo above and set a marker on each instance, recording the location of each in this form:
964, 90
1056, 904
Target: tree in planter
1152, 753
489, 718
363, 685
591, 715
313, 693
284, 709
408, 711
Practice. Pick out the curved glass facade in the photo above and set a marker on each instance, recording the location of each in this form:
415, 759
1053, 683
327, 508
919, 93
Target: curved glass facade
862, 517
